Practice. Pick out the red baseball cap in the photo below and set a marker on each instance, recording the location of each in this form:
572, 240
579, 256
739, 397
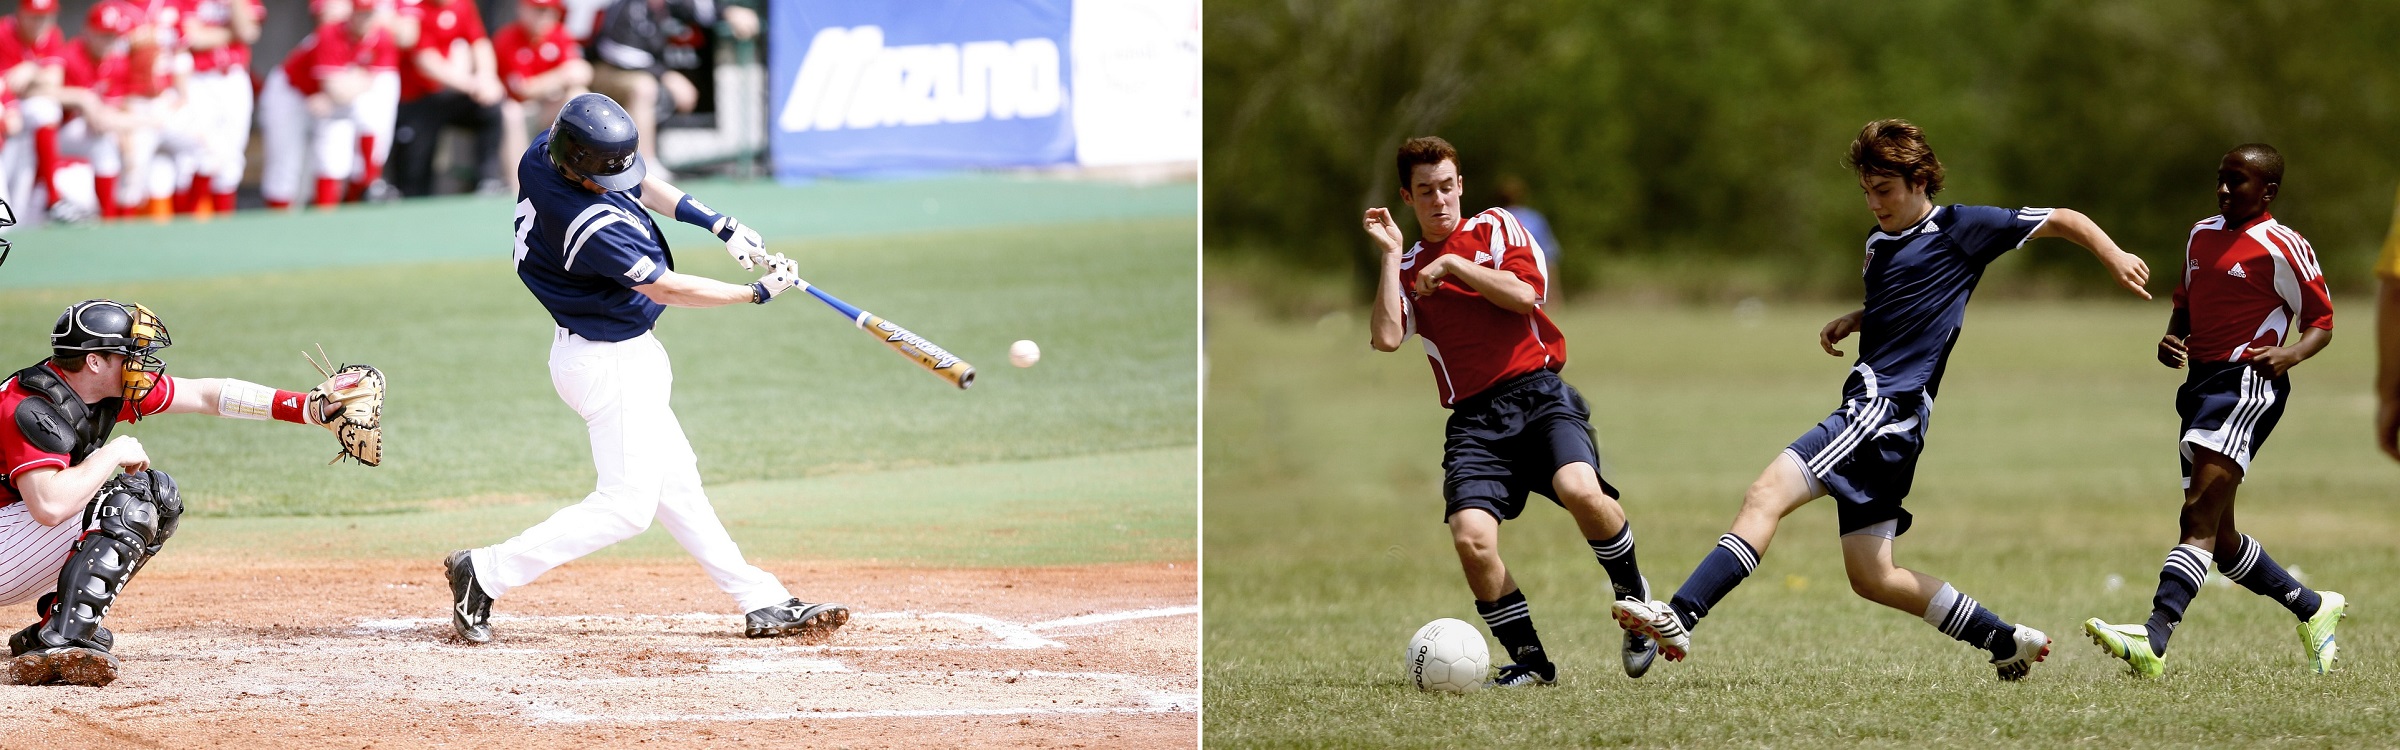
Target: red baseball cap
37, 6
112, 16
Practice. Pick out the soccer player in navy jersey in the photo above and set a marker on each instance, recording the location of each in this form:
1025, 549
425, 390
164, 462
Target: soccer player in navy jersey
1922, 263
2251, 304
1473, 290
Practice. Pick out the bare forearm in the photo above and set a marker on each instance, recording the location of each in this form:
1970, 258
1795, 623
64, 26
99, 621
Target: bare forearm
1387, 324
57, 496
1499, 286
660, 197
2179, 322
2071, 225
2312, 340
686, 290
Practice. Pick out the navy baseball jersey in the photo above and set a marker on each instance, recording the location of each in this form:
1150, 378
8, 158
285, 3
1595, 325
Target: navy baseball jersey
1918, 282
581, 253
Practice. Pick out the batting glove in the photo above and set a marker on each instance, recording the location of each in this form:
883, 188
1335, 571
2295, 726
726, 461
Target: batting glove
742, 242
782, 275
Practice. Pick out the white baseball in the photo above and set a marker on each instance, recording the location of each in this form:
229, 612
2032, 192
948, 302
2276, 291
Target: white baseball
1024, 354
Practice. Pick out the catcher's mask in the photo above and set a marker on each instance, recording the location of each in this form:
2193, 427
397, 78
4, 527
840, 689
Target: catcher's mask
109, 326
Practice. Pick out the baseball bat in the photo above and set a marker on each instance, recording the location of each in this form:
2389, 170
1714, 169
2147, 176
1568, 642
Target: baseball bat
926, 354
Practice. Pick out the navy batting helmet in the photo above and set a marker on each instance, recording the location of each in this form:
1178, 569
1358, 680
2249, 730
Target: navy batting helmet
594, 139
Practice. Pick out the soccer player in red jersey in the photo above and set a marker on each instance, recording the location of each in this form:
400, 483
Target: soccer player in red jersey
1473, 290
2251, 305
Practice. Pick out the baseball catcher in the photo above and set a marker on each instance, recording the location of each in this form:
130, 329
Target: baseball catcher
81, 513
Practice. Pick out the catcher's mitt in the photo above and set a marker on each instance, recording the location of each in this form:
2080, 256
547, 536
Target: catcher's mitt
355, 392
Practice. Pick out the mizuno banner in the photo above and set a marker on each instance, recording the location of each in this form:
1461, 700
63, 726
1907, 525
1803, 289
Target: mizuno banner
919, 84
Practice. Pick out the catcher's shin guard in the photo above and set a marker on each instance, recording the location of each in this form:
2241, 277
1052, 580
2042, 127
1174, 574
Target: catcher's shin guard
123, 527
28, 639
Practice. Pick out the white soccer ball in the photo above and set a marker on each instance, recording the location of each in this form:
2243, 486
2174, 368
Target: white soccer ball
1449, 656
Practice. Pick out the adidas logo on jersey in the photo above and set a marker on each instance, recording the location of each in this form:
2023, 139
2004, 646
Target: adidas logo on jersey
2237, 272
1482, 257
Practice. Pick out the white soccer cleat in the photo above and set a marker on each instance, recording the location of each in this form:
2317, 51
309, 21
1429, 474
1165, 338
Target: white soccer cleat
1656, 620
2032, 646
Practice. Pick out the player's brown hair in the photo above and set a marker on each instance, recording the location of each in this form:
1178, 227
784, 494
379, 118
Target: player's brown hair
1425, 150
1896, 148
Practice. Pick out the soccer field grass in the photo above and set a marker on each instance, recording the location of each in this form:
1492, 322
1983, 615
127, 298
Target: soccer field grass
817, 438
2048, 492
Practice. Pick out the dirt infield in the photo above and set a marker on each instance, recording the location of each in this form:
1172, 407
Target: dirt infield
359, 654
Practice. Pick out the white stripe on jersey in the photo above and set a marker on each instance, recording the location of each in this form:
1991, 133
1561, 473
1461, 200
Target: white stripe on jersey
2303, 255
31, 554
2288, 273
2039, 217
589, 223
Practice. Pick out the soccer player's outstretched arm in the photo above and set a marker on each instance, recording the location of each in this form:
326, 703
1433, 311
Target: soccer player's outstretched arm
2072, 226
1387, 324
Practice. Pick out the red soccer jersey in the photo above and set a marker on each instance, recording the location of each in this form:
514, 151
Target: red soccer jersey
51, 49
217, 14
331, 49
1473, 343
448, 30
2249, 286
522, 58
18, 455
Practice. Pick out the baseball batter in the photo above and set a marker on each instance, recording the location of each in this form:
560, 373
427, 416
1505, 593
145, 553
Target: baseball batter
596, 260
73, 530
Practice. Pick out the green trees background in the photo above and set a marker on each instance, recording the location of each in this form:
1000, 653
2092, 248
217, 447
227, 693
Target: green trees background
1697, 145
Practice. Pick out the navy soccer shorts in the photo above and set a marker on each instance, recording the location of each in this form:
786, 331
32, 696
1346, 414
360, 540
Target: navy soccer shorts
2228, 408
1510, 440
1865, 456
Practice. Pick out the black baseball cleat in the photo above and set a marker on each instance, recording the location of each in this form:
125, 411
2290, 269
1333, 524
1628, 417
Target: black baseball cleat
470, 609
65, 665
810, 622
24, 641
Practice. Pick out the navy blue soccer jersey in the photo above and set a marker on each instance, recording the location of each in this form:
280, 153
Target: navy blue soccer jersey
1917, 283
581, 253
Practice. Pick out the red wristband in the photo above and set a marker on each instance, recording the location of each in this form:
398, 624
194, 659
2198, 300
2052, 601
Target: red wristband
291, 407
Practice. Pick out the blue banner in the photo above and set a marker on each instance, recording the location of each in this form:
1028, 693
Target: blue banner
918, 84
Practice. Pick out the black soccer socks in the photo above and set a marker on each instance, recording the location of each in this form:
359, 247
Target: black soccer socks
1511, 621
2250, 566
1723, 569
2178, 581
1959, 616
1616, 556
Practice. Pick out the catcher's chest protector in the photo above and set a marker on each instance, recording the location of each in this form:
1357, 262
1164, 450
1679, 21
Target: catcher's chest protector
57, 420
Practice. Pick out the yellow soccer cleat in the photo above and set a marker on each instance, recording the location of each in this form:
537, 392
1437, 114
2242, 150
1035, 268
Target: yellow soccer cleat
2316, 634
2128, 642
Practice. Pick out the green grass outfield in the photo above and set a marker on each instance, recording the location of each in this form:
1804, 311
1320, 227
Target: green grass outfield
816, 441
2050, 469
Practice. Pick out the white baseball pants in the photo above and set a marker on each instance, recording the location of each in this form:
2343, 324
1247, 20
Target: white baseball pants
299, 144
31, 554
647, 470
